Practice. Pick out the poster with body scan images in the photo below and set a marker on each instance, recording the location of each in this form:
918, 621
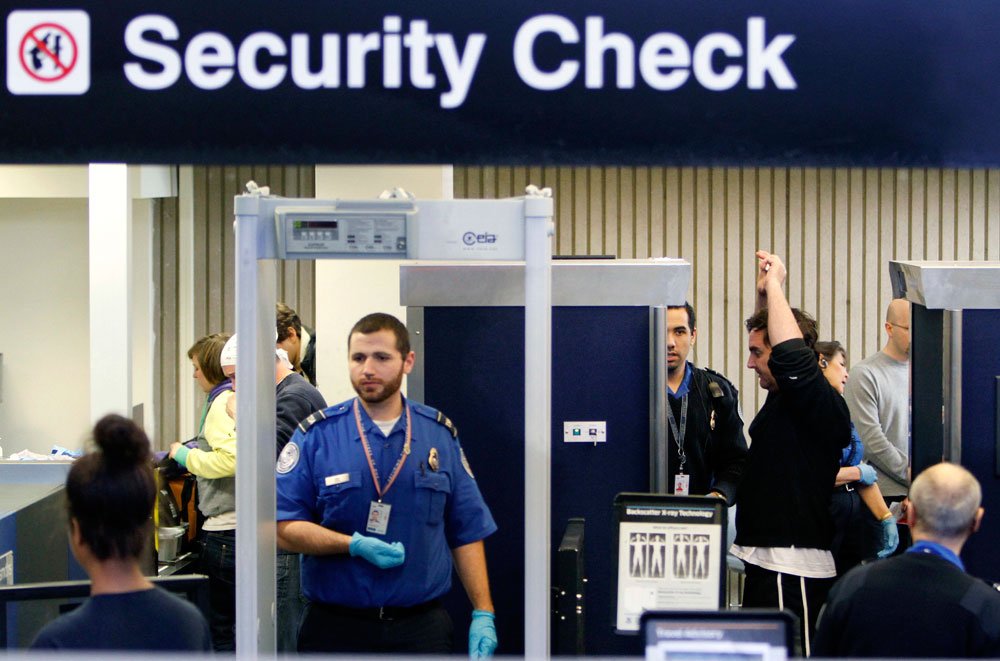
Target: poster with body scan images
670, 555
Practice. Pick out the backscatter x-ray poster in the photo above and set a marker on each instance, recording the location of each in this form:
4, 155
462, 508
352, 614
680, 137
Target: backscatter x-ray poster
668, 559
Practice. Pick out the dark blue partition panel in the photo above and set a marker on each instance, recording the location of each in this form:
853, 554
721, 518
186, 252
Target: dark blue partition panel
474, 372
980, 369
600, 371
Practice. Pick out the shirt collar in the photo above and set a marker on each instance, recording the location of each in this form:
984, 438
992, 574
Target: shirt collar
369, 424
933, 548
685, 383
219, 388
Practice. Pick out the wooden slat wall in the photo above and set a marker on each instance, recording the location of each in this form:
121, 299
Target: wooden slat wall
167, 353
214, 271
837, 229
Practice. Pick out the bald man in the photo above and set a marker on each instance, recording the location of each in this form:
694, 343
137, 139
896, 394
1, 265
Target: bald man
937, 609
878, 396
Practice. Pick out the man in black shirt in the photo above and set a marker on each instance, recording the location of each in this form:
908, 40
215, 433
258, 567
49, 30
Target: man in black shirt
704, 414
937, 609
783, 525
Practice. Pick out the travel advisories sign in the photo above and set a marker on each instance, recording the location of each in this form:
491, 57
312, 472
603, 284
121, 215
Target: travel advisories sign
48, 52
565, 81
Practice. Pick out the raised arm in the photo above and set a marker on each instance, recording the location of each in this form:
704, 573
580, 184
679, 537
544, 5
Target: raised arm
781, 324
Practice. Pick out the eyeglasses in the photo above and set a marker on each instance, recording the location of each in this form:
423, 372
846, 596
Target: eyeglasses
899, 326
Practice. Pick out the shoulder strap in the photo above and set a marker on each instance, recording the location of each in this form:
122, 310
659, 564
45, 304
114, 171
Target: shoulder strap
436, 416
443, 420
311, 420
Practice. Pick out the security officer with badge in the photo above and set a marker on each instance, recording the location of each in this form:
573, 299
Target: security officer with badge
706, 447
380, 500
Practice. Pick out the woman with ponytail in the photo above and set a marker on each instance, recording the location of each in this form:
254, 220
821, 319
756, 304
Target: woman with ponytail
110, 495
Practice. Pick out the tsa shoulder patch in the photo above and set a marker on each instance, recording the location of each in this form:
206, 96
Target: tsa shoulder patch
288, 458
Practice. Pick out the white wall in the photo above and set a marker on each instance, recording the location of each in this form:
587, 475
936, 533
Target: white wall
44, 334
347, 290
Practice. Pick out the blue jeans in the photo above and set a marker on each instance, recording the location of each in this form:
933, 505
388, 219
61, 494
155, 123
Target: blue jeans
290, 602
218, 562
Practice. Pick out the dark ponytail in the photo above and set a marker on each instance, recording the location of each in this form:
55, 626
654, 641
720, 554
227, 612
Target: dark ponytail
111, 491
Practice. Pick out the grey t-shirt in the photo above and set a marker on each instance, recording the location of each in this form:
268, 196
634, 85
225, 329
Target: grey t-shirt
878, 395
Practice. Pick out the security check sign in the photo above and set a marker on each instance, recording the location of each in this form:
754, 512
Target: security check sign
48, 52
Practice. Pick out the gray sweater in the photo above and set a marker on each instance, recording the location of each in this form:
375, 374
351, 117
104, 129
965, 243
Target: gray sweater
878, 395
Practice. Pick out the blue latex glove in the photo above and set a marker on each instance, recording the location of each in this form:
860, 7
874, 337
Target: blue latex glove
377, 552
890, 537
868, 474
482, 635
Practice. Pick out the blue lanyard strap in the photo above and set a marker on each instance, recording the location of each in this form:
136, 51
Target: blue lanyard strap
679, 432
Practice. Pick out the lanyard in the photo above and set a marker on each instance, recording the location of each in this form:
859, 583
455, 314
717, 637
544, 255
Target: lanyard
368, 452
679, 433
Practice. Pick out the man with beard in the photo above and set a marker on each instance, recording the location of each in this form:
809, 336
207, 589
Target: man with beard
380, 500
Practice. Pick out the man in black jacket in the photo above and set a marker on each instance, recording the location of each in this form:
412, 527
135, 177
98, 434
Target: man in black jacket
783, 525
704, 414
938, 610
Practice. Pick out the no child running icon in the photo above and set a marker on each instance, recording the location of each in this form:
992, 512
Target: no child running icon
48, 52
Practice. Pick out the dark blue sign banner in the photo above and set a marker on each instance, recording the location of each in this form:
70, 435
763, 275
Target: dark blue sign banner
892, 83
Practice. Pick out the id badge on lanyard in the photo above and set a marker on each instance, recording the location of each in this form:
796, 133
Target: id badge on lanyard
378, 512
378, 518
682, 481
682, 484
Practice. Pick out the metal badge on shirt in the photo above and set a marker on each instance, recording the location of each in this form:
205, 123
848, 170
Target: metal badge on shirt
378, 518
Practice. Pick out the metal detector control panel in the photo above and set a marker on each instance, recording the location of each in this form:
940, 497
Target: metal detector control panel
378, 230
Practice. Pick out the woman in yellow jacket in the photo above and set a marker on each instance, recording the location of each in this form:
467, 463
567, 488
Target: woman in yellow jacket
213, 462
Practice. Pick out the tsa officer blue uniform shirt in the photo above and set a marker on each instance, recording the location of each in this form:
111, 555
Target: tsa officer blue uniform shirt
324, 477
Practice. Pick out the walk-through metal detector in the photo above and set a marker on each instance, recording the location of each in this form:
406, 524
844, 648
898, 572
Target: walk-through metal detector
269, 228
608, 430
955, 380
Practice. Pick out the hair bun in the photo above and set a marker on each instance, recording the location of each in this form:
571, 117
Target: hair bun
121, 441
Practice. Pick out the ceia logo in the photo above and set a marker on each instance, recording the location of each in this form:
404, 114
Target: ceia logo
471, 238
48, 51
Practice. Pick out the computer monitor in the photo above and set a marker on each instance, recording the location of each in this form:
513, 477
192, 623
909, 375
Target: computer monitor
745, 635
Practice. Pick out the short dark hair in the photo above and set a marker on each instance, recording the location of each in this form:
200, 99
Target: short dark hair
286, 318
687, 308
377, 321
207, 351
807, 326
111, 491
830, 349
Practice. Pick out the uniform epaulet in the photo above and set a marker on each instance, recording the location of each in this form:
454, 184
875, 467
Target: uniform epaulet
311, 420
437, 417
713, 385
317, 416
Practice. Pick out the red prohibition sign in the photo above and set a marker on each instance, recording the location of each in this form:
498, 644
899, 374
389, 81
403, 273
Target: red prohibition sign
62, 68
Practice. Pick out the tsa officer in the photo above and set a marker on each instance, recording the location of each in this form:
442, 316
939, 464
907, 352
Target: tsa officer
380, 500
706, 447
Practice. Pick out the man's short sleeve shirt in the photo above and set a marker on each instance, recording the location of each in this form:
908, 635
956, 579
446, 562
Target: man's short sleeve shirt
324, 477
